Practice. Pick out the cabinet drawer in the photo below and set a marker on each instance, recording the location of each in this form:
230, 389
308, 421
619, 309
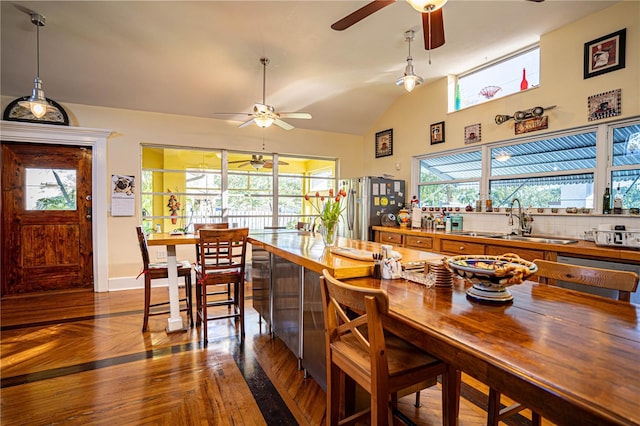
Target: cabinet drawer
525, 254
390, 238
418, 242
459, 247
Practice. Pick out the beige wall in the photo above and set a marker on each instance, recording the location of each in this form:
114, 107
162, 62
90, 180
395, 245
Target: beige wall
561, 84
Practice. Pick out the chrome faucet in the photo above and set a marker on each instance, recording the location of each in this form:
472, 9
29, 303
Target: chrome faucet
524, 219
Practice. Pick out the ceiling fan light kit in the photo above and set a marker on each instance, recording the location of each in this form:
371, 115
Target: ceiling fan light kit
37, 103
265, 115
410, 80
423, 6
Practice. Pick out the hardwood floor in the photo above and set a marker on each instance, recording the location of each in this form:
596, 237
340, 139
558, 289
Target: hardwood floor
78, 358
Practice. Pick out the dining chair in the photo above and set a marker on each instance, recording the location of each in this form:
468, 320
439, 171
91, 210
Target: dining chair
221, 263
152, 271
359, 349
548, 273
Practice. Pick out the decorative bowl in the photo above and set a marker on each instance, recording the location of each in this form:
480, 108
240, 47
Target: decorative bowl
492, 271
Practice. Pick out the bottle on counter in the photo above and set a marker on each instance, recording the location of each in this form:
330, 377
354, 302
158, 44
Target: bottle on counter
489, 204
617, 202
606, 202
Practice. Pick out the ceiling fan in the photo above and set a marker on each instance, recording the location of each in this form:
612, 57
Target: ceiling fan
257, 162
265, 115
432, 19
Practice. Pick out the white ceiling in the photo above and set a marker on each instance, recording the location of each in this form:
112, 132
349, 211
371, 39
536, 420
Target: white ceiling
198, 58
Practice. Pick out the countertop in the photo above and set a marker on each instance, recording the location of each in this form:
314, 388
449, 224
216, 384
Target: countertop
581, 248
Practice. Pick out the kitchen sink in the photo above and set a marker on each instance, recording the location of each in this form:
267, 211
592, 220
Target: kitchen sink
534, 239
479, 234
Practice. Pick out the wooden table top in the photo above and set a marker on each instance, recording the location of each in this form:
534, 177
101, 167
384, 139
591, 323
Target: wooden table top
571, 356
166, 239
306, 249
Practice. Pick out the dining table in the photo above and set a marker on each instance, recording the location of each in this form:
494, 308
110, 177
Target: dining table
572, 357
170, 241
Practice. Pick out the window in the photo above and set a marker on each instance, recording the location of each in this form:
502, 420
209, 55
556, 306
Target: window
560, 170
554, 172
213, 186
450, 180
50, 189
625, 169
516, 72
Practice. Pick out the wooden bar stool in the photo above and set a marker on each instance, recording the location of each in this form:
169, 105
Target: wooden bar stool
221, 263
357, 346
152, 271
549, 272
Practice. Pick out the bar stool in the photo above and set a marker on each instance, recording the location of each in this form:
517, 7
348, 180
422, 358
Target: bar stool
152, 271
357, 346
221, 262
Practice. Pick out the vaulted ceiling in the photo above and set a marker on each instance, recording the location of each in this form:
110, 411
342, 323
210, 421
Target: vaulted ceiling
199, 58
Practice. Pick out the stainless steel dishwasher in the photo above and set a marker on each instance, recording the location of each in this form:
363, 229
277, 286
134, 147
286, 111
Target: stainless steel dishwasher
613, 294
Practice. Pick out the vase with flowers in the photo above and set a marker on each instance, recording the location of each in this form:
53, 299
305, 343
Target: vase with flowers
329, 210
174, 207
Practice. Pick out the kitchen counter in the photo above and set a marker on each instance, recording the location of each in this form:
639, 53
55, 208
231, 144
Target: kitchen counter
433, 241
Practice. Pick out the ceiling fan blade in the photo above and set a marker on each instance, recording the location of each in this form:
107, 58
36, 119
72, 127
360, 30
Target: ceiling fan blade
282, 163
245, 163
360, 14
246, 123
303, 115
436, 29
282, 124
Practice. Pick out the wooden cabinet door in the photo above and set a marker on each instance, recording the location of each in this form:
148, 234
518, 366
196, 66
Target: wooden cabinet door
390, 238
526, 254
460, 247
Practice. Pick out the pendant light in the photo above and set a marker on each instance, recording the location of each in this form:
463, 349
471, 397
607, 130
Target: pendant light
423, 6
38, 103
410, 80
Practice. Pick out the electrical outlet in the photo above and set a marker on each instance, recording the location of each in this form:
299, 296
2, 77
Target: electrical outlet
161, 254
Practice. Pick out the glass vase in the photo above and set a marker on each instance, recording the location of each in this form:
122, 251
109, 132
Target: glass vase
329, 232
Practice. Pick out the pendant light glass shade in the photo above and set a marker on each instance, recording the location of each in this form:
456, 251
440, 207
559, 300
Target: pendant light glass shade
423, 6
410, 80
37, 102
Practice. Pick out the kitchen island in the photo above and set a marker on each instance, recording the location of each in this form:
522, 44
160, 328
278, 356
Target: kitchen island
570, 356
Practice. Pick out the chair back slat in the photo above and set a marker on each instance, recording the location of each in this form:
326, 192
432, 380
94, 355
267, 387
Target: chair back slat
222, 252
198, 226
625, 282
363, 321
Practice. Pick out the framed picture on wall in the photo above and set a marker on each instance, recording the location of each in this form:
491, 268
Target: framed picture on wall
384, 143
472, 133
605, 54
437, 132
605, 105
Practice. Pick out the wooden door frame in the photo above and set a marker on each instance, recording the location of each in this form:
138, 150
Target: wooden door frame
13, 131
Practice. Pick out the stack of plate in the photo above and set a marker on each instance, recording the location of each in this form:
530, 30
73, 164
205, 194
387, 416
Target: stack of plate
443, 277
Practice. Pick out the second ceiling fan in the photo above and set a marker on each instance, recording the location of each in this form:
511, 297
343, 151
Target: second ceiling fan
264, 115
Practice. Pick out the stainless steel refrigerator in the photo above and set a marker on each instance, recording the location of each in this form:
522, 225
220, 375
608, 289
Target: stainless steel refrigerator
368, 199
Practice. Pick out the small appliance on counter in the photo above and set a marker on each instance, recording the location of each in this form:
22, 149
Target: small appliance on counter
456, 222
619, 236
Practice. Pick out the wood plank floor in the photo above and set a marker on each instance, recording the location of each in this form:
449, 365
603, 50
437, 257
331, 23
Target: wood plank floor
79, 358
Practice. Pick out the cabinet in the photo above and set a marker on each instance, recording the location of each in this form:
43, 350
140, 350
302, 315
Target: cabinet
526, 254
454, 247
420, 243
390, 238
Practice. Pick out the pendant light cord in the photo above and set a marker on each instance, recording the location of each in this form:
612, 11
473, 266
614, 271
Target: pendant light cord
38, 50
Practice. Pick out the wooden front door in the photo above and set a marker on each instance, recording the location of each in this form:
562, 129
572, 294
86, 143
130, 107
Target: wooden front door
46, 218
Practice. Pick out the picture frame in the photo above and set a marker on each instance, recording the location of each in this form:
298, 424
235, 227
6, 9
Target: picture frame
605, 105
384, 143
605, 54
472, 133
436, 132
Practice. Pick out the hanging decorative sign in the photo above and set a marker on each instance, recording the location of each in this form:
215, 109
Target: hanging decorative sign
531, 125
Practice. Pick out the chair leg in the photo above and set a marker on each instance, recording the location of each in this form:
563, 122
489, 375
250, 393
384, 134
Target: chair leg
198, 303
147, 302
189, 296
203, 308
241, 311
